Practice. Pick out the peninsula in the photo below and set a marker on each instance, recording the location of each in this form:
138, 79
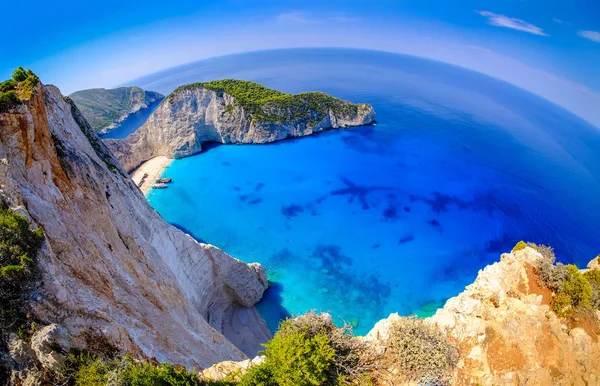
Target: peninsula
233, 111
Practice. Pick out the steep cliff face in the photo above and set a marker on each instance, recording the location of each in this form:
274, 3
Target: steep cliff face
111, 266
507, 333
194, 115
105, 109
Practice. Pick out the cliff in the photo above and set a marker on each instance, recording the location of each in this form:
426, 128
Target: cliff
233, 112
507, 333
105, 109
112, 270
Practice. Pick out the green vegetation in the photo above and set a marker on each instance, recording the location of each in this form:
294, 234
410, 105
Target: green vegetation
18, 249
310, 350
593, 277
86, 369
573, 291
519, 246
102, 107
17, 89
265, 104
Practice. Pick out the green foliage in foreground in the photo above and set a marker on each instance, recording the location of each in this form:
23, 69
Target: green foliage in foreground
85, 369
13, 91
519, 246
265, 104
18, 250
574, 291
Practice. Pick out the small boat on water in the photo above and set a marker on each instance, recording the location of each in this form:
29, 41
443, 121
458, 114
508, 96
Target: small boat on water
163, 180
159, 186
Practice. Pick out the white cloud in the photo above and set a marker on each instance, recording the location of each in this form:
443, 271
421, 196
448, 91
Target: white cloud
512, 23
559, 21
299, 17
590, 35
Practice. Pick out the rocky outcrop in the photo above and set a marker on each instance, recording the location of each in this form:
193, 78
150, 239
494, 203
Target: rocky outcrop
111, 267
196, 115
507, 334
105, 109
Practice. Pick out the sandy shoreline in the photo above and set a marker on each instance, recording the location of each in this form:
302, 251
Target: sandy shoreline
153, 168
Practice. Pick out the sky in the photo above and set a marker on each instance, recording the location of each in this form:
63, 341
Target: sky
549, 47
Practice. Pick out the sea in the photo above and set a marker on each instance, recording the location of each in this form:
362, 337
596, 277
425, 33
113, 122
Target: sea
394, 217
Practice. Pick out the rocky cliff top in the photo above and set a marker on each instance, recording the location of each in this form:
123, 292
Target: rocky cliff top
233, 111
112, 270
508, 334
104, 109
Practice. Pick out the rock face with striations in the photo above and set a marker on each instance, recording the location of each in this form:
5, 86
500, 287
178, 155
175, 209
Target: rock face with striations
233, 112
111, 267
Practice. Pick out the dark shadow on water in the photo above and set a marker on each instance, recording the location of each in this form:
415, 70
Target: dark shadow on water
406, 239
358, 192
291, 211
500, 245
435, 223
189, 232
271, 306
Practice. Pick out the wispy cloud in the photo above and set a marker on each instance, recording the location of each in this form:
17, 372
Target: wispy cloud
299, 17
498, 20
559, 21
590, 35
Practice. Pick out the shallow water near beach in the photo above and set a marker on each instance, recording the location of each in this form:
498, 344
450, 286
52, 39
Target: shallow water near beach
396, 217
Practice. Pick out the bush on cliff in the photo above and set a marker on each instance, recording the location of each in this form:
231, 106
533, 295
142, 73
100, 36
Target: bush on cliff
21, 86
85, 369
593, 277
311, 350
418, 352
18, 250
575, 293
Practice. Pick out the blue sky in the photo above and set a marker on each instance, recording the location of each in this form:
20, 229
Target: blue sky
549, 47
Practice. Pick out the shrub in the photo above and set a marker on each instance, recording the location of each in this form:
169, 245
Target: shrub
18, 249
593, 277
19, 74
519, 246
419, 352
311, 350
574, 293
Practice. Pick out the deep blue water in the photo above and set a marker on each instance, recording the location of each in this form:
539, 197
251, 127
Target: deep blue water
394, 217
132, 123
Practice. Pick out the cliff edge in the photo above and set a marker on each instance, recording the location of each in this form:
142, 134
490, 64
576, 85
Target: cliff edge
507, 333
233, 111
111, 268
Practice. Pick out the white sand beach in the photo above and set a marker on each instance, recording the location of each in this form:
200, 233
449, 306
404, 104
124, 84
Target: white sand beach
152, 169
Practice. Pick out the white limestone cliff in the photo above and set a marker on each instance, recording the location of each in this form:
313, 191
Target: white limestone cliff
193, 116
111, 267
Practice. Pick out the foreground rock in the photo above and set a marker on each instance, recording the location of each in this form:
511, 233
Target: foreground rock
105, 109
111, 268
195, 114
507, 334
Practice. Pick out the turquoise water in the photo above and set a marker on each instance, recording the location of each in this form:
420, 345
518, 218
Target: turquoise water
396, 217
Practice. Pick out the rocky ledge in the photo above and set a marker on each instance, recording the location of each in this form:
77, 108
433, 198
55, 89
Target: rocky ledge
233, 111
